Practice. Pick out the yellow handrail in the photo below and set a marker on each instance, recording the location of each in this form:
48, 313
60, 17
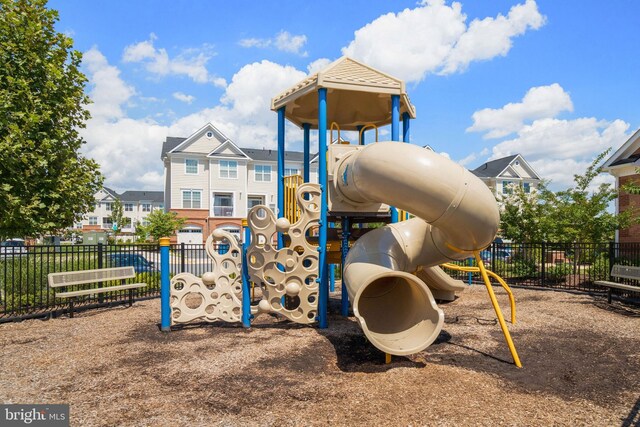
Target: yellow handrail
485, 277
365, 127
504, 285
291, 209
334, 124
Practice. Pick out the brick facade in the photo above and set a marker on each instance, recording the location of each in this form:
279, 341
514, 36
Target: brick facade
625, 202
200, 217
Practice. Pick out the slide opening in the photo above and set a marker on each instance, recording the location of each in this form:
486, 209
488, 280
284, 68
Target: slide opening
399, 315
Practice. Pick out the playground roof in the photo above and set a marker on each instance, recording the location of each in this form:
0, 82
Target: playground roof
356, 95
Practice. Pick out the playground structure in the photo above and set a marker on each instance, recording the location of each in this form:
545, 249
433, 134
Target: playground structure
437, 212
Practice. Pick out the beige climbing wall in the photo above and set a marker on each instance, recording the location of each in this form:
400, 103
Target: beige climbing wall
218, 294
290, 271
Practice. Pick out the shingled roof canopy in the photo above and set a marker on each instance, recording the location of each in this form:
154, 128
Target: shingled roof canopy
356, 95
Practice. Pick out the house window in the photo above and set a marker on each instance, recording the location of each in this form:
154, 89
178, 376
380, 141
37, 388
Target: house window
263, 173
146, 207
191, 166
145, 222
107, 206
128, 207
506, 187
107, 222
222, 204
291, 171
209, 134
254, 201
93, 220
191, 199
527, 187
228, 169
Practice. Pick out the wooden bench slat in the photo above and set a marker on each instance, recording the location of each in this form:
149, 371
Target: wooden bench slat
71, 294
83, 277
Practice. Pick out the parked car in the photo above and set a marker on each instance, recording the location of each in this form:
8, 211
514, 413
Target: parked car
499, 255
139, 263
13, 247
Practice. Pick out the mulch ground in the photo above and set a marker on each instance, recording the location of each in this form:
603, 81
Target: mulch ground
581, 360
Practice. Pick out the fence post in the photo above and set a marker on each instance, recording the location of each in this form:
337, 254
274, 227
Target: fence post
165, 307
612, 258
542, 264
182, 260
100, 265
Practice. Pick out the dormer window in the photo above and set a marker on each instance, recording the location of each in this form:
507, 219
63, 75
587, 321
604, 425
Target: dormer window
191, 166
209, 134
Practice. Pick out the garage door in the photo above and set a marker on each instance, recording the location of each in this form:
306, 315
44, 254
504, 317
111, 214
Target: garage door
190, 235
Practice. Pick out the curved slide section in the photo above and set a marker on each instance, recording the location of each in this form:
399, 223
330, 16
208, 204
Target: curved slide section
386, 270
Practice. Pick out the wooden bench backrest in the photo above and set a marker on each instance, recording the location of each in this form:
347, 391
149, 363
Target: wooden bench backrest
626, 272
68, 278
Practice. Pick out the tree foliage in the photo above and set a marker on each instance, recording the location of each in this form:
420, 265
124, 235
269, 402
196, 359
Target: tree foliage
161, 224
45, 183
117, 216
577, 214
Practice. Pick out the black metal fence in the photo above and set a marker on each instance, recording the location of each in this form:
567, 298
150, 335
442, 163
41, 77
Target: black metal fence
24, 292
554, 265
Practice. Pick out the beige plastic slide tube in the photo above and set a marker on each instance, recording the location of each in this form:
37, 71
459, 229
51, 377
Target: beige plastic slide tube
456, 214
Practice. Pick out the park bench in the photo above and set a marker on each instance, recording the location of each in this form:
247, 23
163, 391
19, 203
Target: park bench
85, 277
621, 272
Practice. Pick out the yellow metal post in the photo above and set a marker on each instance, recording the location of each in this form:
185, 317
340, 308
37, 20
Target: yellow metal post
496, 308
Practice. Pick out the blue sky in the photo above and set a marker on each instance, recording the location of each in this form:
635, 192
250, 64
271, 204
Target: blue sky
553, 80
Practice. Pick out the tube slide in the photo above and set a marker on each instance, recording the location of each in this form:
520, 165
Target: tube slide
386, 270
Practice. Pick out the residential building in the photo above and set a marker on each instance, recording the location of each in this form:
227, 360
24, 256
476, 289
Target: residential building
212, 183
624, 165
136, 206
502, 174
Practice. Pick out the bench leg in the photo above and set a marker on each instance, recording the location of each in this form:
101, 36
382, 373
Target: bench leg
71, 300
130, 297
609, 295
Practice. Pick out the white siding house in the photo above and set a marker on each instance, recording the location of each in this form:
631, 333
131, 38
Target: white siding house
212, 182
501, 174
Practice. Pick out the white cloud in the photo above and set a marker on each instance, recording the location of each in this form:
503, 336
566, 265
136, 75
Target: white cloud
190, 62
434, 38
539, 102
548, 139
183, 97
318, 65
108, 92
283, 41
490, 37
128, 150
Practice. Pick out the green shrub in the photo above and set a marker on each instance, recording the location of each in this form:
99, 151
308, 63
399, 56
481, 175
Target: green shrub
600, 269
558, 272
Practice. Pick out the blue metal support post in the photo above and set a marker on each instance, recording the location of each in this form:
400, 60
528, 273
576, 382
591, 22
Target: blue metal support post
281, 152
406, 127
165, 283
332, 277
306, 160
395, 136
246, 290
323, 300
344, 249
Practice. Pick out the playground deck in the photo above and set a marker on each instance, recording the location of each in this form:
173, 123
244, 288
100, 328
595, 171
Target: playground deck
114, 367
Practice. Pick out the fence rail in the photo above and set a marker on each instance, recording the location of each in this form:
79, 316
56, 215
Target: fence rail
24, 292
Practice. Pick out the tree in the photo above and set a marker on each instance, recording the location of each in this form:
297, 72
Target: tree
162, 224
45, 183
117, 217
577, 214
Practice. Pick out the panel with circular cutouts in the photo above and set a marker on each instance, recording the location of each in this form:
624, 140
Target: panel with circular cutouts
218, 294
291, 271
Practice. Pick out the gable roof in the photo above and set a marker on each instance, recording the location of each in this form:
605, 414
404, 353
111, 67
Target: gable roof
626, 154
110, 192
169, 145
197, 135
498, 167
359, 95
136, 196
236, 152
494, 167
